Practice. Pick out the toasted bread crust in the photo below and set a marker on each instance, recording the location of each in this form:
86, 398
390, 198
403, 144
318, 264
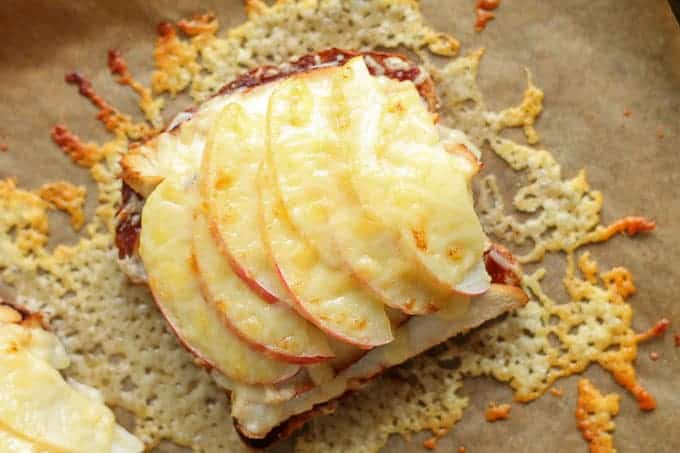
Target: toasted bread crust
499, 300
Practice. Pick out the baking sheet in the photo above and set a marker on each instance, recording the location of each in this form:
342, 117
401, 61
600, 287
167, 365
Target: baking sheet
594, 60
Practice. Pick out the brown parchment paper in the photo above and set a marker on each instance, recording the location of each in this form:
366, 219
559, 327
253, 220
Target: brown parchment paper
593, 58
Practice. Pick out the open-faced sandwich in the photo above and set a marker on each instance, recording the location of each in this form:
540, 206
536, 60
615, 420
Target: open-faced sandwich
308, 227
40, 411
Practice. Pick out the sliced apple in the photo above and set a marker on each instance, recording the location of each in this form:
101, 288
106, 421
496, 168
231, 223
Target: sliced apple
274, 329
39, 410
307, 126
232, 155
325, 295
165, 249
37, 403
404, 176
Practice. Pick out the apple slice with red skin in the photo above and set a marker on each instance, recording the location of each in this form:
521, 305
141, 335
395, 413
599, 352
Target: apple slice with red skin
307, 125
165, 249
412, 338
404, 176
234, 149
327, 296
274, 329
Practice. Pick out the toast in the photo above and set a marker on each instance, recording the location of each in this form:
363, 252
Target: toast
301, 258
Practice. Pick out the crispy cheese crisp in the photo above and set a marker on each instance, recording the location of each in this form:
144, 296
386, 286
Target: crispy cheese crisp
594, 413
66, 197
121, 345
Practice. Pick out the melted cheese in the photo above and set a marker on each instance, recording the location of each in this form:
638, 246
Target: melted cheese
324, 294
404, 176
231, 158
308, 124
274, 328
40, 411
165, 248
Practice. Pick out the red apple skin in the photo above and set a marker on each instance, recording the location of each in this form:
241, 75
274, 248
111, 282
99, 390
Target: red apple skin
298, 305
239, 269
294, 300
272, 352
199, 360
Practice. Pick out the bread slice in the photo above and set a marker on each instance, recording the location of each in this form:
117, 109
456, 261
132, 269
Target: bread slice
145, 165
268, 410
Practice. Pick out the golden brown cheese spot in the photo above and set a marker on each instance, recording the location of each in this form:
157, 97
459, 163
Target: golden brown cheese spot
495, 412
203, 207
360, 324
419, 238
621, 279
594, 413
193, 265
4, 147
12, 347
396, 107
66, 197
455, 253
442, 44
224, 180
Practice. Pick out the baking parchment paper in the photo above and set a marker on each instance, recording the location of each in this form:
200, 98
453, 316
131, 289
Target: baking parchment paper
593, 58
